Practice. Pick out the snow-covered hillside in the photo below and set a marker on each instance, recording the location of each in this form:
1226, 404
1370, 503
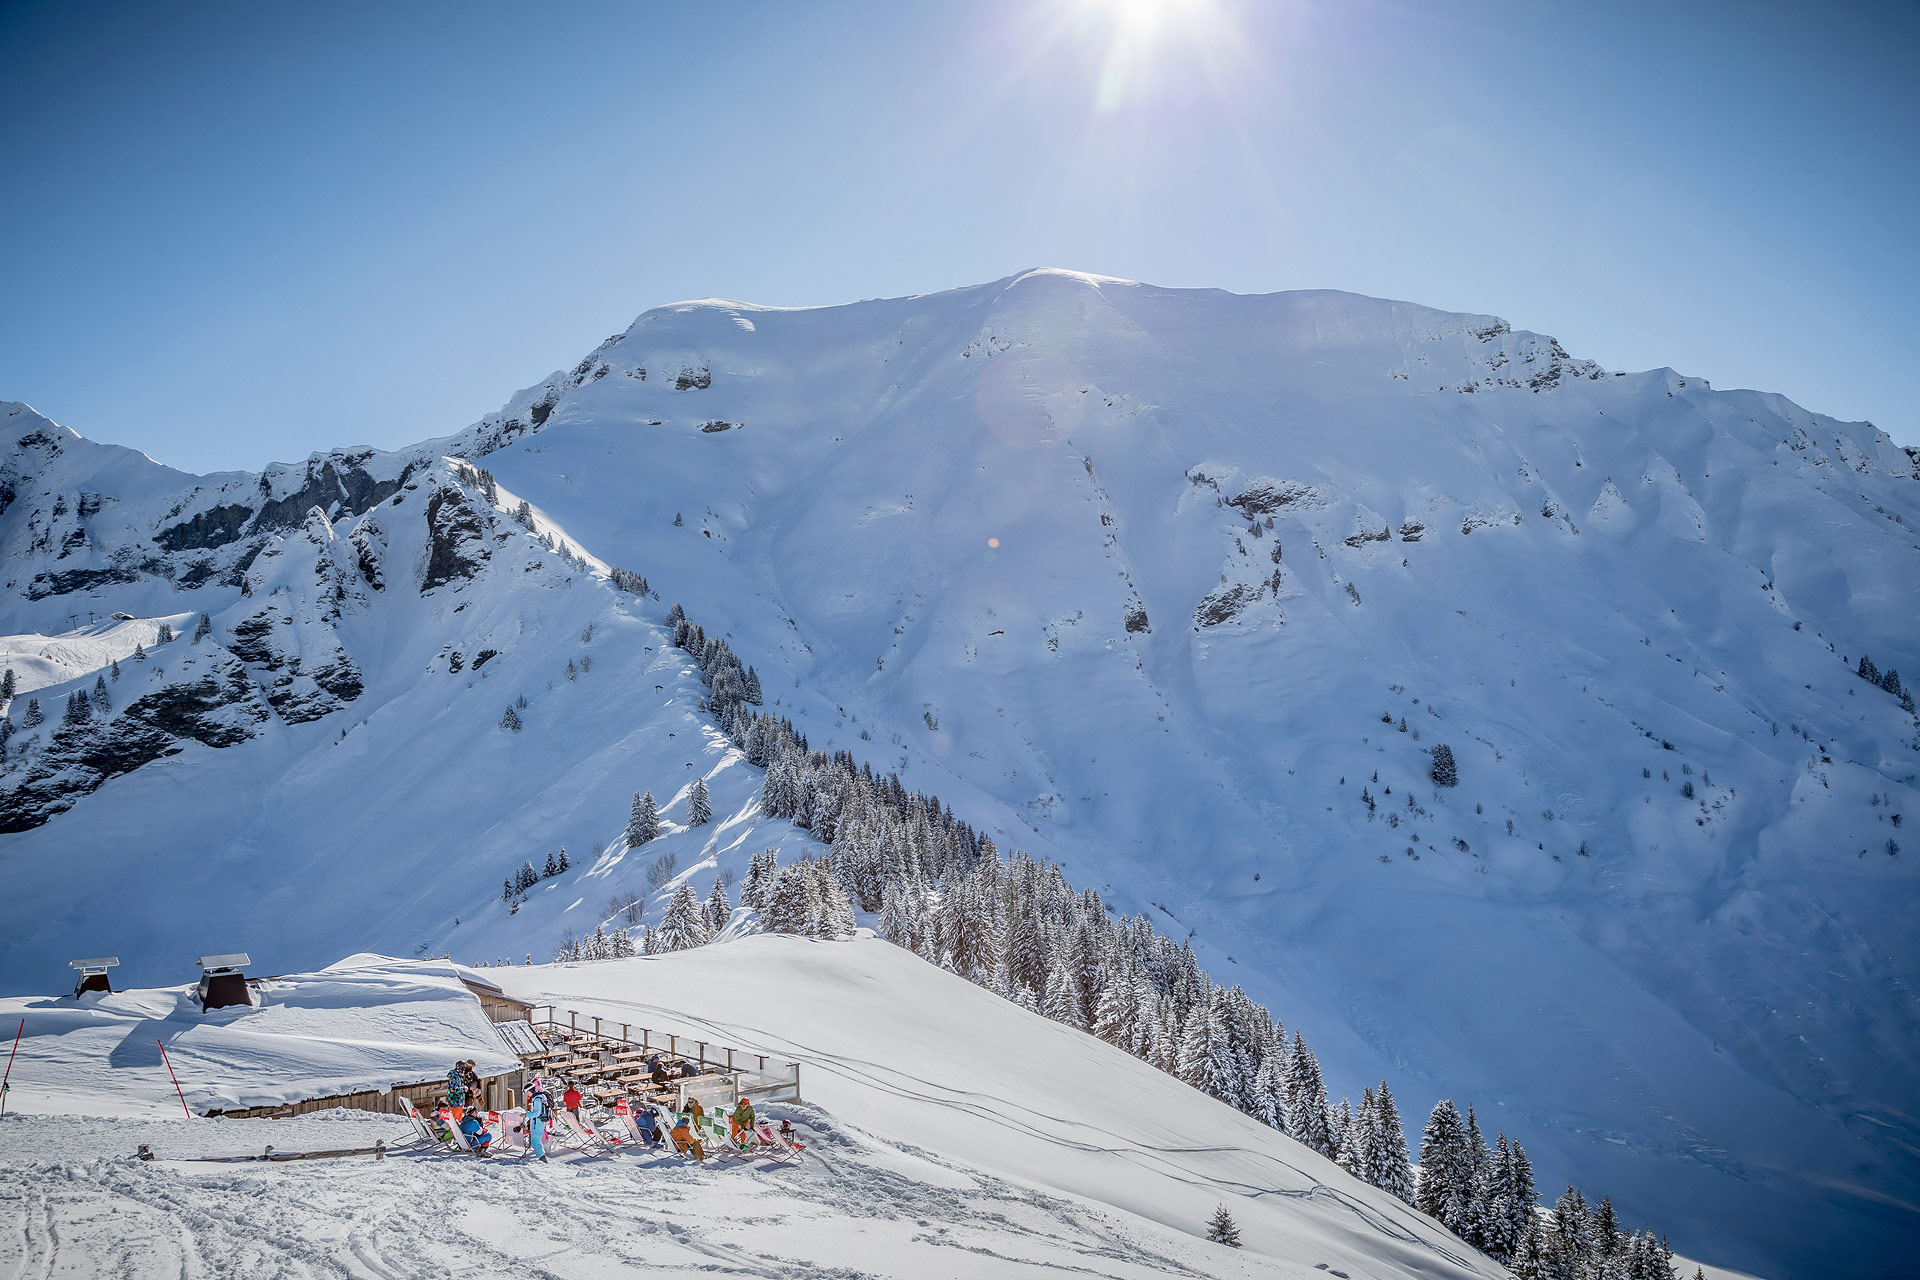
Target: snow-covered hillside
1148, 581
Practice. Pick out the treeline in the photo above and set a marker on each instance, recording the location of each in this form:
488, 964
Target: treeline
1015, 926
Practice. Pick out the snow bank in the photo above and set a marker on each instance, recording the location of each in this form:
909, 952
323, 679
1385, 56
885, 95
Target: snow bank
366, 1024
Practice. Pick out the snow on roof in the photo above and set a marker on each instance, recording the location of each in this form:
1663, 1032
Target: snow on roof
367, 1025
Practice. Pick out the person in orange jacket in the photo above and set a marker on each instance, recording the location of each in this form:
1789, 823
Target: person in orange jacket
683, 1140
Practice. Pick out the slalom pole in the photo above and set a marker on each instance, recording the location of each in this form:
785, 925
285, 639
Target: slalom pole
176, 1079
4, 1085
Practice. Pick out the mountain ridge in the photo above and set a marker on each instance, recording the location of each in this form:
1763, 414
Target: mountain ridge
994, 536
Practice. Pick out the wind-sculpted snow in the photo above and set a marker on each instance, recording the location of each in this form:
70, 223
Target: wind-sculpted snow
1101, 565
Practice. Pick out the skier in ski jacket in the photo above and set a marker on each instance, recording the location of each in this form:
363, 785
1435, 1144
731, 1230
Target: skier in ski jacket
742, 1120
472, 1080
539, 1113
457, 1085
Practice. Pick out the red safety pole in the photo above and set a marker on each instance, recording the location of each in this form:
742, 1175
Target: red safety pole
176, 1079
4, 1085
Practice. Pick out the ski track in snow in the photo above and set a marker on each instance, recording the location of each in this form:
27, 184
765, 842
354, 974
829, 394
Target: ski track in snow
93, 1210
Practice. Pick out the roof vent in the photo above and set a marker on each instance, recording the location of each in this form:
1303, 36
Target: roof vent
222, 982
93, 974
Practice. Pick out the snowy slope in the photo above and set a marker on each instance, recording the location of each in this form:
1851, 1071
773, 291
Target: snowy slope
1033, 1150
1013, 540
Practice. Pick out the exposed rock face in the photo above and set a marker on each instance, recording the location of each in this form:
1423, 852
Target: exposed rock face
208, 700
295, 591
457, 539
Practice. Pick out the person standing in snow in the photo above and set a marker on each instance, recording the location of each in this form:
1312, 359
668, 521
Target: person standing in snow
471, 1076
457, 1086
539, 1113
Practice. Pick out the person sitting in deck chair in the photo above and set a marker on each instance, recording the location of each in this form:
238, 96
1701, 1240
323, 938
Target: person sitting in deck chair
684, 1140
570, 1101
742, 1121
478, 1139
648, 1126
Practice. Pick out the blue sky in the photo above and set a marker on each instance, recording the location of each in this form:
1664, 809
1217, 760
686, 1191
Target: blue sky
235, 234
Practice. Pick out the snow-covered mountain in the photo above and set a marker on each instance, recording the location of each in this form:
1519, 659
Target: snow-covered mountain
1178, 587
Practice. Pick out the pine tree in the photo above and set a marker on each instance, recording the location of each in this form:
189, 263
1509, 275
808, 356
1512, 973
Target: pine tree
113, 671
100, 702
1445, 774
7, 685
719, 907
510, 721
564, 864
1222, 1230
528, 876
790, 905
506, 891
33, 715
202, 629
1307, 1101
572, 671
1062, 1000
699, 811
1387, 1166
1356, 1150
1446, 1168
835, 909
643, 821
620, 944
551, 869
685, 922
166, 634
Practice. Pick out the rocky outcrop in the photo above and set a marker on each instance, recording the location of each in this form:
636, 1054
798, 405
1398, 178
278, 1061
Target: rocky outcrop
208, 700
456, 539
284, 630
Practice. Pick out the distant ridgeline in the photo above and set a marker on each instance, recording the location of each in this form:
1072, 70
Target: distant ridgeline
1016, 927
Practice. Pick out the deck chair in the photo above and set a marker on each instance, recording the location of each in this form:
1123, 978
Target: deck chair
421, 1129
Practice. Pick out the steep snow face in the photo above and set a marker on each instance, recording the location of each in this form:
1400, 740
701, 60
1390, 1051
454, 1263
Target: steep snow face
1146, 580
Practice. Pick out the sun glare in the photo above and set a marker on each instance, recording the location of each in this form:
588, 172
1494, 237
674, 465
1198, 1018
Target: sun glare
1136, 32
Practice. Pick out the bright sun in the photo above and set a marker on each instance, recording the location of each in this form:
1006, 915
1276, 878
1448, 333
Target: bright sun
1136, 31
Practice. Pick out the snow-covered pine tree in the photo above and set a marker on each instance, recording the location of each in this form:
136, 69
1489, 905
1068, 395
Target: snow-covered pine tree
1445, 773
1446, 1168
551, 869
699, 810
7, 685
1118, 1011
506, 890
1221, 1228
835, 908
897, 922
761, 869
100, 702
1356, 1147
719, 907
166, 634
1268, 1100
563, 863
1062, 1000
510, 721
685, 923
33, 714
789, 901
620, 944
573, 672
528, 876
1387, 1165
643, 820
202, 629
1307, 1100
